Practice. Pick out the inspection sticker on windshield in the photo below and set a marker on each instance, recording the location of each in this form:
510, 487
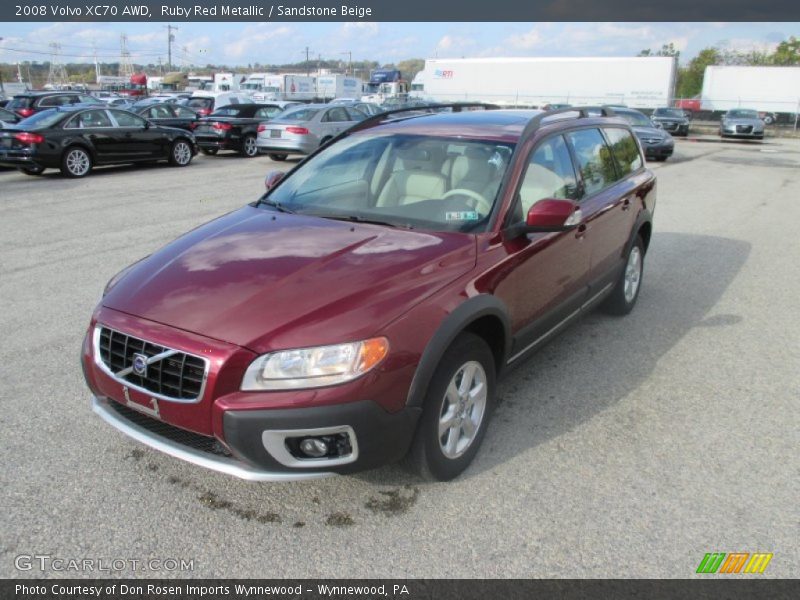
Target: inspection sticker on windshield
462, 215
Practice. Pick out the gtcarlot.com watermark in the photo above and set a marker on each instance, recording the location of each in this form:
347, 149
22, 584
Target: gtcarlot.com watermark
61, 564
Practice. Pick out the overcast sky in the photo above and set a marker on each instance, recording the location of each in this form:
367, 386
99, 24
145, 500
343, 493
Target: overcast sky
277, 43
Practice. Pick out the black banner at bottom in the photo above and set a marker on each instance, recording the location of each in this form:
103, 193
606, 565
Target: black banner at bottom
394, 589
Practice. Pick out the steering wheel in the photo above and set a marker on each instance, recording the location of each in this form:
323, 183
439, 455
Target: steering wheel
482, 203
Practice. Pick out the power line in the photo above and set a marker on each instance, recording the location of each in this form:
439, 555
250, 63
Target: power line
86, 55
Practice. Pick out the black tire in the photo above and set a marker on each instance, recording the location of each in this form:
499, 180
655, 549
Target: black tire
278, 157
620, 301
209, 151
249, 146
426, 457
32, 170
76, 162
180, 155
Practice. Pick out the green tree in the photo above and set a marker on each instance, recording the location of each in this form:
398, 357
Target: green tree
787, 52
690, 78
410, 67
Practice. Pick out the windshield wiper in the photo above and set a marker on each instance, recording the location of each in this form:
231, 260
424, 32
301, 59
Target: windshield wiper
276, 205
359, 219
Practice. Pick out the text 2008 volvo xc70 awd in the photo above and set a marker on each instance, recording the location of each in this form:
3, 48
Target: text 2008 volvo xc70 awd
361, 311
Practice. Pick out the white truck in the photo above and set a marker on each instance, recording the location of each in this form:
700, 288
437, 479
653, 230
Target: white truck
637, 82
338, 86
227, 82
285, 87
769, 90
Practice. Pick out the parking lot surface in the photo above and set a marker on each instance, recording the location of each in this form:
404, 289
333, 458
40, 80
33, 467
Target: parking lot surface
627, 447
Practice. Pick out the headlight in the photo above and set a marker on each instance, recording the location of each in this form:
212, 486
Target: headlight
314, 367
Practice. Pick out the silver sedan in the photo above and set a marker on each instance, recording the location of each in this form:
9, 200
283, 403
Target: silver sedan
742, 123
303, 129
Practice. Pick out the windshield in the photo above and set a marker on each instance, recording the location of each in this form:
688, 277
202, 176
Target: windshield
42, 120
635, 119
298, 114
420, 182
742, 114
669, 112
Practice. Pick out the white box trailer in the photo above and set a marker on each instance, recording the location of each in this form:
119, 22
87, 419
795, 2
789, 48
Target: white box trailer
338, 86
766, 89
286, 87
638, 82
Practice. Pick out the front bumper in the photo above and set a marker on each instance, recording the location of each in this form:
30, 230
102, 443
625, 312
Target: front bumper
658, 150
745, 135
254, 448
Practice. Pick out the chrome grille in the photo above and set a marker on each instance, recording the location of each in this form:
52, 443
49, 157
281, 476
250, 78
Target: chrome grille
179, 376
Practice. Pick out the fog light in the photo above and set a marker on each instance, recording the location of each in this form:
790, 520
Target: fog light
314, 447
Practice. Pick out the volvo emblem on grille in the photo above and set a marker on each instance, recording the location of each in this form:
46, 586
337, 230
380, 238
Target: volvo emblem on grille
140, 365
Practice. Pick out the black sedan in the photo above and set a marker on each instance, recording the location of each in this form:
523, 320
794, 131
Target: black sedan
168, 115
76, 139
234, 127
656, 143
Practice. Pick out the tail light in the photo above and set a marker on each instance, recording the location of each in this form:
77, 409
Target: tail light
222, 126
261, 127
29, 138
297, 130
25, 112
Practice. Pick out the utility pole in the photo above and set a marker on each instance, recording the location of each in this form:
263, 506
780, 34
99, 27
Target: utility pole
2, 89
308, 65
349, 62
170, 39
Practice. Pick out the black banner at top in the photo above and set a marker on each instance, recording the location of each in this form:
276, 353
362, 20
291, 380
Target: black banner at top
398, 10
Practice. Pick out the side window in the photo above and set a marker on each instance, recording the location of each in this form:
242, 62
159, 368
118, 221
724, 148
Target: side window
594, 159
184, 112
89, 119
625, 150
336, 115
550, 174
50, 101
126, 119
355, 114
160, 112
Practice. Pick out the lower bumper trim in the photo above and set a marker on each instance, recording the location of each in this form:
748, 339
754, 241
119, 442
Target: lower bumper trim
220, 464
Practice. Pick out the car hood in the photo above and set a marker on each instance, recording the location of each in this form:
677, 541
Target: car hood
265, 280
651, 133
664, 118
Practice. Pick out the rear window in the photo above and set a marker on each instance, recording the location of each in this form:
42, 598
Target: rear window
228, 111
20, 102
200, 102
298, 114
42, 120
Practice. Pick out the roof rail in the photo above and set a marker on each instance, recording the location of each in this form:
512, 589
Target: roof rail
583, 113
425, 108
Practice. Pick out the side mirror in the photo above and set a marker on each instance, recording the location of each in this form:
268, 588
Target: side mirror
272, 179
553, 214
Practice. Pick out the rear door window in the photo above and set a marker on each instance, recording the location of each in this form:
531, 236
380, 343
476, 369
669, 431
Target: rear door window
336, 115
595, 162
89, 119
625, 150
19, 102
126, 119
267, 112
51, 101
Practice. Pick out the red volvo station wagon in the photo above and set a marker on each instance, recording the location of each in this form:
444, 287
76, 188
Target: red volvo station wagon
361, 311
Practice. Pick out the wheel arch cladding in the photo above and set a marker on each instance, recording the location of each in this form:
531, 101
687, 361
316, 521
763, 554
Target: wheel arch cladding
486, 316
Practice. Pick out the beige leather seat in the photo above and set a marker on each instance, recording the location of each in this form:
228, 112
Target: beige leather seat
418, 179
407, 187
471, 171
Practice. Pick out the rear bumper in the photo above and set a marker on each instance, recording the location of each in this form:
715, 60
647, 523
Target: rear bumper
217, 143
290, 146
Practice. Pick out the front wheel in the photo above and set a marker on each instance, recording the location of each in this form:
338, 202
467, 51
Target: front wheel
76, 162
181, 154
625, 293
456, 412
249, 146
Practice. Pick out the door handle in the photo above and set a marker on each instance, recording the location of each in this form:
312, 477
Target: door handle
580, 233
626, 204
